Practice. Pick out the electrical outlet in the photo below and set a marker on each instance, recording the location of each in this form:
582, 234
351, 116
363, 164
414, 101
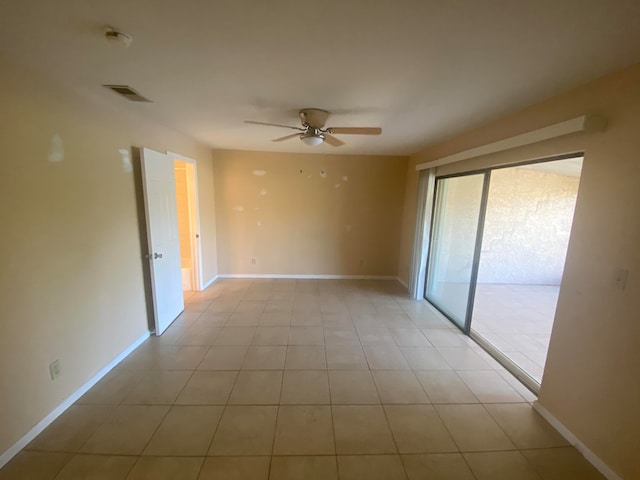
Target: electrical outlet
253, 261
54, 369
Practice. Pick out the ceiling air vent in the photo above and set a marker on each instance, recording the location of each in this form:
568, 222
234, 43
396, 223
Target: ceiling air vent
128, 93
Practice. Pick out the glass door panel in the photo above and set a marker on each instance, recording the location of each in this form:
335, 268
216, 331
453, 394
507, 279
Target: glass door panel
527, 225
453, 245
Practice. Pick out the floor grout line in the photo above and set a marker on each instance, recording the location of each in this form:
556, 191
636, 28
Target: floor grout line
327, 306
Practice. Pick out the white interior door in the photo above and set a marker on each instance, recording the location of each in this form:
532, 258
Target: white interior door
159, 186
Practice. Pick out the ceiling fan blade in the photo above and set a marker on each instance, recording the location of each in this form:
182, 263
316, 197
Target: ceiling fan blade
273, 125
333, 141
355, 130
282, 139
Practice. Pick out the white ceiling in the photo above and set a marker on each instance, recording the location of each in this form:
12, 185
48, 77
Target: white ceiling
571, 167
423, 70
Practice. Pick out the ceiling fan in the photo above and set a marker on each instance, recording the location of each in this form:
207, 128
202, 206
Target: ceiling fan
313, 131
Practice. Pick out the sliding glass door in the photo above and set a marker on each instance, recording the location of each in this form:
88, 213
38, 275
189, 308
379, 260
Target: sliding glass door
520, 217
454, 251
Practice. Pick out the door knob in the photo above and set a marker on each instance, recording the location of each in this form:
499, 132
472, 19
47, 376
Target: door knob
157, 255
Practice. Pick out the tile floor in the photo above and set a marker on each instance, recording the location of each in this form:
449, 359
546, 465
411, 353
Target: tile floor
517, 320
303, 379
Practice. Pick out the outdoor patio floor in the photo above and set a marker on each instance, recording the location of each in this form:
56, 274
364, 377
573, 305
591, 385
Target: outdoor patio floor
517, 320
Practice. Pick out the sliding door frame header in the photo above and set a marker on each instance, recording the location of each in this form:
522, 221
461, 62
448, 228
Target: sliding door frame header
554, 158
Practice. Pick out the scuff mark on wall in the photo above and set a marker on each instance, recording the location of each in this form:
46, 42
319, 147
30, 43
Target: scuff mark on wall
337, 185
263, 192
345, 178
127, 166
238, 208
304, 217
259, 173
56, 153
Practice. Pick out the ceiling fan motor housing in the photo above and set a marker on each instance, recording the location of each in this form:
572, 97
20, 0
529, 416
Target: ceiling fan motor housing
313, 117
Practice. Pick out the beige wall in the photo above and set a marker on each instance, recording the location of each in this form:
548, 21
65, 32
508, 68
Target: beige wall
182, 201
71, 268
308, 213
592, 376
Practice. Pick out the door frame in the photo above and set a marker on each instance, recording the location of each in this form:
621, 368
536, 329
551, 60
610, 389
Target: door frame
426, 215
194, 217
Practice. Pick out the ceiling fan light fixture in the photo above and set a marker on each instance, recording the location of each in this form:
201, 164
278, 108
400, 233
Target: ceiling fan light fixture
312, 139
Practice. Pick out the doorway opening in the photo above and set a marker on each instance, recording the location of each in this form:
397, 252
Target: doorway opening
498, 244
187, 215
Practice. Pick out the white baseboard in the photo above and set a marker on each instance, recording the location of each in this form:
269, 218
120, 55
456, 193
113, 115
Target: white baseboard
206, 285
401, 282
596, 461
46, 421
309, 277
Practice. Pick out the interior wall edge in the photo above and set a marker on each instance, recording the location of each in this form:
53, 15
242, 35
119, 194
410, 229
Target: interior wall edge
211, 281
591, 377
298, 213
308, 276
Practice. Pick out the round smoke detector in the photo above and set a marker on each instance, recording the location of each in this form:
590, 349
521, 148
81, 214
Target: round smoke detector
118, 39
